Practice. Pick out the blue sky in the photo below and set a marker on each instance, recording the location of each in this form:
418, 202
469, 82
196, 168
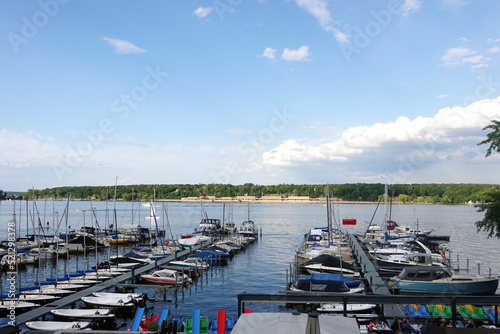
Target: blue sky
235, 91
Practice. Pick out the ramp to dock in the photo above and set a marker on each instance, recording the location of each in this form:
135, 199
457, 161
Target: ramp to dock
137, 319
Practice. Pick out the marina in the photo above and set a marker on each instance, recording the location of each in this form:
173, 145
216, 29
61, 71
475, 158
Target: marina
267, 260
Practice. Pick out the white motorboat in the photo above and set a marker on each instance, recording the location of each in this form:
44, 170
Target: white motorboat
53, 326
166, 276
83, 313
117, 295
109, 302
193, 240
351, 308
192, 263
19, 306
248, 228
34, 298
395, 263
48, 290
129, 260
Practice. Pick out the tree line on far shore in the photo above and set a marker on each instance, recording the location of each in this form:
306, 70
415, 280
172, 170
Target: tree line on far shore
372, 192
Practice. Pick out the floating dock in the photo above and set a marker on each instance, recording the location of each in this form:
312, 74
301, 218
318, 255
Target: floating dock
43, 310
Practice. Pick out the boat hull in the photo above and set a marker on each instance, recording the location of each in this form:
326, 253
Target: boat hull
485, 287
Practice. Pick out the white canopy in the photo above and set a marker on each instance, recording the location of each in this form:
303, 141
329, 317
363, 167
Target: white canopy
287, 323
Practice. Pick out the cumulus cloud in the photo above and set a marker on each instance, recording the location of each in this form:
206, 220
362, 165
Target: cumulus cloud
269, 53
410, 6
301, 54
462, 56
202, 12
451, 135
495, 49
123, 47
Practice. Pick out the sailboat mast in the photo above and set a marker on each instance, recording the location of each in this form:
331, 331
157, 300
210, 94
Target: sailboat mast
329, 215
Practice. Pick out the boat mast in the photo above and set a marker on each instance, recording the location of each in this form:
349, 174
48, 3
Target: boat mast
328, 215
115, 221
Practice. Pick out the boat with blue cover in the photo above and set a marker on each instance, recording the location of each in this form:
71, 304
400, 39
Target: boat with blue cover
327, 283
436, 279
211, 255
350, 283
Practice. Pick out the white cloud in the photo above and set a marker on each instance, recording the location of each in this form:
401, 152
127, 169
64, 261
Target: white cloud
440, 96
495, 49
123, 47
450, 136
461, 56
202, 12
239, 131
410, 6
300, 54
269, 53
319, 10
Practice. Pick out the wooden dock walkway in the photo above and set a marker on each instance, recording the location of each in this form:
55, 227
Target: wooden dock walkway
42, 310
376, 283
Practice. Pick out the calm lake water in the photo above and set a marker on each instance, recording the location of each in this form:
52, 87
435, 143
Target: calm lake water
262, 267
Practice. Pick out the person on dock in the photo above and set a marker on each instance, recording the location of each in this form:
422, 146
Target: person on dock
395, 325
406, 327
372, 327
470, 323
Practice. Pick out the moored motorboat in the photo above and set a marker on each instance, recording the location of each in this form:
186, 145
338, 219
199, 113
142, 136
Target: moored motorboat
330, 264
129, 260
192, 240
436, 279
248, 228
19, 306
323, 284
83, 313
166, 276
32, 298
46, 290
351, 308
109, 302
192, 263
57, 325
117, 295
394, 264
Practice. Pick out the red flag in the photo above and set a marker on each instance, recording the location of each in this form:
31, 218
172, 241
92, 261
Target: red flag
348, 221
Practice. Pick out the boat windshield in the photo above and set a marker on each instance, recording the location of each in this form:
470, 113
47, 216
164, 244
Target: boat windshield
424, 274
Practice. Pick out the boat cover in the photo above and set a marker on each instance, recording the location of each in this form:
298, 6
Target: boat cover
329, 261
321, 278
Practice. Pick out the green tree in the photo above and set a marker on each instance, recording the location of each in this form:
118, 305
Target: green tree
491, 220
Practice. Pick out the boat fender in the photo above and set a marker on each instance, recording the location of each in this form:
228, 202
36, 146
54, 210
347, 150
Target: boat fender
167, 243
